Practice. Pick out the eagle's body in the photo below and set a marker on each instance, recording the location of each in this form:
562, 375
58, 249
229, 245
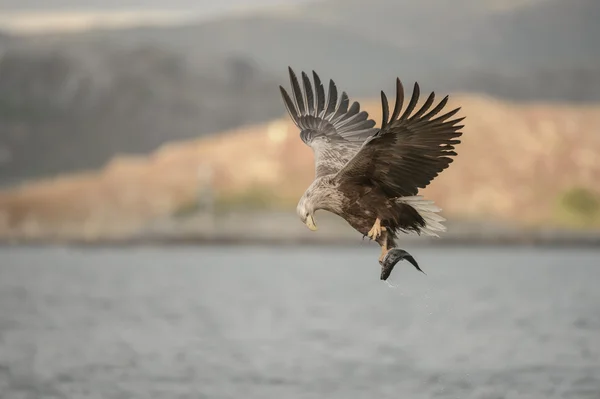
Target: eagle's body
359, 205
370, 177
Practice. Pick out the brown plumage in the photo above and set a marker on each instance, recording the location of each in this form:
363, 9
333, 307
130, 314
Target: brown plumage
371, 177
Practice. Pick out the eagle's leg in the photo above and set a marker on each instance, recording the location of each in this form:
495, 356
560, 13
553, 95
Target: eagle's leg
376, 230
386, 243
384, 248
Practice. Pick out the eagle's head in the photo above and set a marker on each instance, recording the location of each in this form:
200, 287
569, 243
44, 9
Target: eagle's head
306, 210
321, 195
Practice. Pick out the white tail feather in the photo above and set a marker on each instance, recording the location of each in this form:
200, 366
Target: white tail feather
429, 212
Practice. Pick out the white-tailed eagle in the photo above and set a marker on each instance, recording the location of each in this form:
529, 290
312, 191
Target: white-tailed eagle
371, 176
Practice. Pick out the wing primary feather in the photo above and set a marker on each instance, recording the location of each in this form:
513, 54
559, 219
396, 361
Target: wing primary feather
413, 102
341, 109
450, 123
426, 119
309, 95
399, 100
332, 100
297, 92
437, 108
425, 107
349, 115
289, 105
446, 115
320, 94
385, 109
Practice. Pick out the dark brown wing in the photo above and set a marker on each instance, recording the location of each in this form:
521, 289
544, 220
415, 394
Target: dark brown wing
409, 151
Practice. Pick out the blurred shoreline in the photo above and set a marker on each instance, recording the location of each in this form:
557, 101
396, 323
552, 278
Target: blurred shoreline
272, 228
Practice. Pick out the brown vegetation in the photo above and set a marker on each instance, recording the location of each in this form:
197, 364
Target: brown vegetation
515, 164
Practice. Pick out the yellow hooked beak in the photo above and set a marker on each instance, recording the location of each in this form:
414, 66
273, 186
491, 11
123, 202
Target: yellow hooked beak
310, 223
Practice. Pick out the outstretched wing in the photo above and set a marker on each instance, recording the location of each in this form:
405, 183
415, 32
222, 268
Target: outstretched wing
409, 151
333, 130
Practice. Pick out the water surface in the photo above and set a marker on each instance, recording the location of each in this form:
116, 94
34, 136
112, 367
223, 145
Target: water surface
247, 322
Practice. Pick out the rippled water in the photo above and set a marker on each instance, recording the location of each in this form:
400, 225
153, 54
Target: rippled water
240, 322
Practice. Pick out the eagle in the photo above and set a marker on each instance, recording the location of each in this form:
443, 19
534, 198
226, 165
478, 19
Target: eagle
371, 176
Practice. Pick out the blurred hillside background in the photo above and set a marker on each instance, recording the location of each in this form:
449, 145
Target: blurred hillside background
154, 119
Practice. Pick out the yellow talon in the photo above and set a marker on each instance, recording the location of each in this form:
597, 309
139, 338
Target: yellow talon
375, 231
